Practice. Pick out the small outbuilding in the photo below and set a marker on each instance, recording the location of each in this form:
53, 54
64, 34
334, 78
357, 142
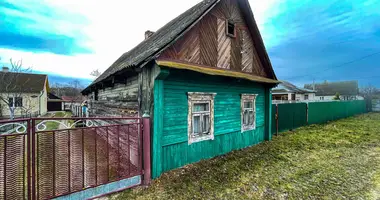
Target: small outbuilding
204, 78
54, 103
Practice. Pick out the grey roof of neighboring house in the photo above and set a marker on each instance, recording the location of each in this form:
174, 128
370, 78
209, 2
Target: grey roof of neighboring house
22, 82
162, 38
285, 86
331, 88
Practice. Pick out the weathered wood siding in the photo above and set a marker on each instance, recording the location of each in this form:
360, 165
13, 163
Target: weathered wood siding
207, 43
119, 100
170, 143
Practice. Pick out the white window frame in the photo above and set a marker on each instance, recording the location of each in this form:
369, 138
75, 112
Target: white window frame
248, 98
200, 97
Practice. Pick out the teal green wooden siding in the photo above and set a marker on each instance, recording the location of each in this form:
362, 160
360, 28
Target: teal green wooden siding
227, 122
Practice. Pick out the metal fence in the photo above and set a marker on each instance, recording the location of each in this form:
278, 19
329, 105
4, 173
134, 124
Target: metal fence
293, 115
43, 158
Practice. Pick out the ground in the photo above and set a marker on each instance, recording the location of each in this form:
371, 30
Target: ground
338, 160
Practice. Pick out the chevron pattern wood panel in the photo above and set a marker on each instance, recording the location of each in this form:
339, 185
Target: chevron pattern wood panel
235, 13
186, 48
236, 52
257, 66
208, 41
224, 46
229, 9
247, 52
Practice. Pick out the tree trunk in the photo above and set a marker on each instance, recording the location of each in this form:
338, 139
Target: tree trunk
12, 113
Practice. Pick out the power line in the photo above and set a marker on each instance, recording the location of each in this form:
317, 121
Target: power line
341, 65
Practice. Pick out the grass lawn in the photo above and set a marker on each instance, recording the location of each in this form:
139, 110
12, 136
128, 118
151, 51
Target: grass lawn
54, 125
338, 160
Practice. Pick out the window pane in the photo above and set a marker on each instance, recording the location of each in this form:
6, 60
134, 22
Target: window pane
198, 107
206, 124
10, 101
251, 118
18, 102
248, 104
245, 117
196, 124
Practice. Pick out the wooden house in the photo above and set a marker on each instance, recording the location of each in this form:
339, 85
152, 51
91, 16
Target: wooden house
205, 80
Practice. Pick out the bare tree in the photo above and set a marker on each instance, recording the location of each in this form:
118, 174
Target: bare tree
12, 88
368, 93
96, 73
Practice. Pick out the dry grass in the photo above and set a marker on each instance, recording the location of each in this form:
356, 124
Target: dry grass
338, 160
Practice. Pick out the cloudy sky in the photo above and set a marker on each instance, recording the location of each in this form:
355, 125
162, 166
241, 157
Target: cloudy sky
306, 39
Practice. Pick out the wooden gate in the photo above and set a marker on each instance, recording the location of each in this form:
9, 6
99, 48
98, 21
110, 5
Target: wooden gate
45, 158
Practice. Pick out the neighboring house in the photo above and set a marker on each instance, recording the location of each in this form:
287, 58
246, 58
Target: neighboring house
70, 101
286, 91
54, 103
26, 93
347, 90
204, 78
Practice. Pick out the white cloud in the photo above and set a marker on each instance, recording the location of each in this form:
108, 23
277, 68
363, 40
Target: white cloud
114, 27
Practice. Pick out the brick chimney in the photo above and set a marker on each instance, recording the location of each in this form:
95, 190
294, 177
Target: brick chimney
5, 69
148, 33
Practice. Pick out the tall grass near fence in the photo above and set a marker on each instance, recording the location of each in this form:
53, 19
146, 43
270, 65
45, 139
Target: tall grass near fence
293, 115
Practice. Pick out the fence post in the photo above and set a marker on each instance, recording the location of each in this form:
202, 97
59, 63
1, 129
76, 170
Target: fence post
33, 160
28, 158
307, 113
146, 149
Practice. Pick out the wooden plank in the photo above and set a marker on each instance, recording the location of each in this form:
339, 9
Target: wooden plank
236, 52
247, 52
224, 46
208, 40
157, 128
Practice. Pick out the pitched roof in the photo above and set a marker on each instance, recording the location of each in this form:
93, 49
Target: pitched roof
53, 96
158, 40
330, 89
22, 82
162, 38
285, 86
73, 98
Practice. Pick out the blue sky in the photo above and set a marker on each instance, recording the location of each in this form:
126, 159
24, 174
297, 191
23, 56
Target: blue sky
306, 39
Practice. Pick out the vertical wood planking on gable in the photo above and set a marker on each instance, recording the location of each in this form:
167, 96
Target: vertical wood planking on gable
247, 52
224, 46
208, 40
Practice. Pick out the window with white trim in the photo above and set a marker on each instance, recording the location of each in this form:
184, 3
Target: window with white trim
248, 112
200, 116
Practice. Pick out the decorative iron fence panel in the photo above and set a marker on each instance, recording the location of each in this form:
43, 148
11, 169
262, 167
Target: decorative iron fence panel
14, 159
43, 158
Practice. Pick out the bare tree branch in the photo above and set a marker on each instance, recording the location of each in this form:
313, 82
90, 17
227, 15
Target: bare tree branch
13, 87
